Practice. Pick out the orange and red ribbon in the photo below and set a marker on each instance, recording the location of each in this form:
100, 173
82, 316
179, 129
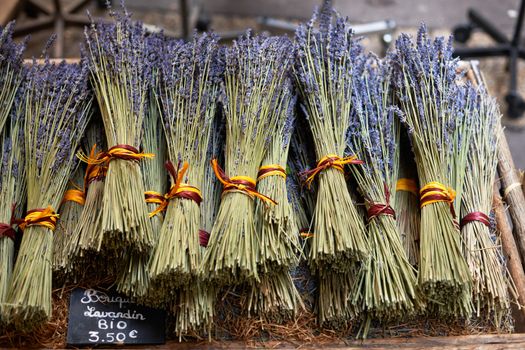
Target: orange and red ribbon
74, 195
271, 170
476, 216
40, 217
435, 192
177, 190
242, 184
329, 161
124, 152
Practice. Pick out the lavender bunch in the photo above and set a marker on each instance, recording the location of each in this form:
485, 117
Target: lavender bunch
256, 68
324, 70
69, 211
120, 74
189, 87
431, 101
134, 278
57, 110
12, 190
406, 201
386, 283
81, 258
490, 282
276, 226
11, 70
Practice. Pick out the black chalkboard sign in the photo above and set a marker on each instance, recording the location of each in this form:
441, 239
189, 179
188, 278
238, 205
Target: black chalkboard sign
97, 318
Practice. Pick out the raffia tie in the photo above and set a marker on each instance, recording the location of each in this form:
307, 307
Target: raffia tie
434, 192
177, 190
124, 152
74, 195
241, 184
407, 185
46, 217
377, 209
271, 170
476, 216
329, 161
204, 238
7, 230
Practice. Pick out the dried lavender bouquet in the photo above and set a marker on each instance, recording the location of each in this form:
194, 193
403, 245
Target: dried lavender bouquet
57, 110
194, 304
430, 99
69, 211
81, 258
385, 286
133, 280
406, 201
276, 227
275, 296
490, 289
324, 69
12, 191
189, 87
11, 70
120, 70
256, 67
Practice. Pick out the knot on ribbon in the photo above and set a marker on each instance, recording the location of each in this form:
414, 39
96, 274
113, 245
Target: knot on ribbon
271, 170
40, 217
95, 171
242, 184
476, 216
125, 152
7, 230
178, 189
204, 238
407, 185
329, 161
377, 209
434, 192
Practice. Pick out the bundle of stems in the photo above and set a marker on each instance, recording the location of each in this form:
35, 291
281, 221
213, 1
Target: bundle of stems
194, 304
276, 226
256, 68
490, 289
324, 70
432, 102
69, 212
57, 110
385, 286
82, 260
189, 87
11, 70
12, 191
120, 73
275, 296
406, 201
134, 279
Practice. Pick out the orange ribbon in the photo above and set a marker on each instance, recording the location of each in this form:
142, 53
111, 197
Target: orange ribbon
242, 184
125, 152
271, 170
74, 195
40, 217
329, 161
407, 185
177, 190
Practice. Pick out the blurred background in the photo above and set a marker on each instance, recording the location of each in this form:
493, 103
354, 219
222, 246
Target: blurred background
489, 24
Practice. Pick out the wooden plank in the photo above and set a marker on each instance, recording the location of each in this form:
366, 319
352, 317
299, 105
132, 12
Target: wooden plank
480, 342
9, 10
